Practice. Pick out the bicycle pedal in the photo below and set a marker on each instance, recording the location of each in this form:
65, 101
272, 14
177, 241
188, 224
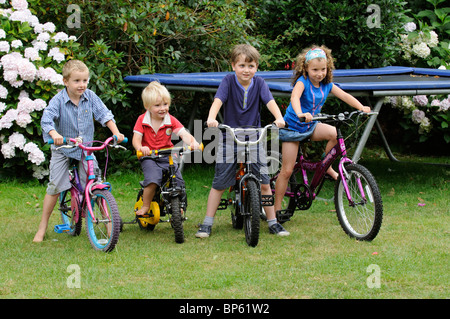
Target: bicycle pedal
284, 215
267, 200
224, 204
63, 228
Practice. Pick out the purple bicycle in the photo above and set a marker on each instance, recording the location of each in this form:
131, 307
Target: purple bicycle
357, 198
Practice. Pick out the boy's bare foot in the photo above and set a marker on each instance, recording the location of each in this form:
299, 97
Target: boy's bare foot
142, 211
39, 237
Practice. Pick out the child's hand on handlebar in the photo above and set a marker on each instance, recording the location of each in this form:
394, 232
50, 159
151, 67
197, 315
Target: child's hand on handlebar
57, 138
280, 123
306, 116
195, 145
120, 137
365, 109
144, 150
212, 122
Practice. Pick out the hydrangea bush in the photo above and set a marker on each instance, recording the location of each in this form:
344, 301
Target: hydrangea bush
32, 54
428, 114
417, 44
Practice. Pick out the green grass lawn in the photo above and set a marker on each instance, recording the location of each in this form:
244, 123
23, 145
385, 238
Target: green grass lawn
411, 252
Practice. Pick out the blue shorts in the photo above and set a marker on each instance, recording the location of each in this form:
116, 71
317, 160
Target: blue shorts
154, 168
288, 135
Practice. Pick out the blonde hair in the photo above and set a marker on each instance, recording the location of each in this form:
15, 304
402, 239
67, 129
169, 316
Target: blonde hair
73, 65
152, 92
301, 64
251, 54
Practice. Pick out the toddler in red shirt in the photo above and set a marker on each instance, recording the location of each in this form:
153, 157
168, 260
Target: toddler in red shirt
153, 130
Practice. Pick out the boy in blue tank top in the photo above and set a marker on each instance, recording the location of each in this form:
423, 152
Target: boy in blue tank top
239, 95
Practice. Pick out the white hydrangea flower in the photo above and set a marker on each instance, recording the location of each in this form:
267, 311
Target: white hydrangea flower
421, 50
410, 27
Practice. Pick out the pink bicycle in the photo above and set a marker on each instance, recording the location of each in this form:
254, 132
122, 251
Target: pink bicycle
94, 202
357, 198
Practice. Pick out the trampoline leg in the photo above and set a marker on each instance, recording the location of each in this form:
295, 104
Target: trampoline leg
386, 147
367, 130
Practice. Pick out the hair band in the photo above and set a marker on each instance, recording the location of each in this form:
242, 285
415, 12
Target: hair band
315, 53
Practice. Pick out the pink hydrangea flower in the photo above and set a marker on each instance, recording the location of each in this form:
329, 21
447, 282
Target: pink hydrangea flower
35, 155
8, 151
23, 119
4, 46
3, 92
32, 54
17, 140
19, 4
8, 118
420, 100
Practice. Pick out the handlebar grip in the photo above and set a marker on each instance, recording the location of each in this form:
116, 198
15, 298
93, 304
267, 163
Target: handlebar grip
125, 139
139, 154
51, 141
202, 147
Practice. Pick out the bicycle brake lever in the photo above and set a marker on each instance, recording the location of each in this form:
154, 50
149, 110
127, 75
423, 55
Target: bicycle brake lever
118, 146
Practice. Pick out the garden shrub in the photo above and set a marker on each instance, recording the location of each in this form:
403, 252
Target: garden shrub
32, 54
361, 34
425, 42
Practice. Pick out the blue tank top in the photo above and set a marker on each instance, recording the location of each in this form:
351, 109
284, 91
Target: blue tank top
311, 101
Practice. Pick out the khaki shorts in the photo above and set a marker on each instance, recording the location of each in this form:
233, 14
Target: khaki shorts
59, 173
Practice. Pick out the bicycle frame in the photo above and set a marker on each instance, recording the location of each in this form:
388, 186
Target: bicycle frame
91, 183
171, 172
320, 167
244, 172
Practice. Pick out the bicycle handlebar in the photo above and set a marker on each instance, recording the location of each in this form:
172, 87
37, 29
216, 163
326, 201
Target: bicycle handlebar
167, 151
232, 131
341, 117
78, 142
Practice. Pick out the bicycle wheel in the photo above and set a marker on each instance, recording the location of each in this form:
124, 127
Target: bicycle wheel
252, 204
361, 220
71, 215
177, 219
103, 233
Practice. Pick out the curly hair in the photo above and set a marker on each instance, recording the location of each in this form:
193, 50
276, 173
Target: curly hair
301, 64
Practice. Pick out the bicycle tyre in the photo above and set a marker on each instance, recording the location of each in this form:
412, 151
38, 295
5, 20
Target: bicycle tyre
103, 235
69, 216
363, 220
252, 221
176, 220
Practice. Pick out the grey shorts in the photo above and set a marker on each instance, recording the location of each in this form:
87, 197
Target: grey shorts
59, 172
153, 171
226, 166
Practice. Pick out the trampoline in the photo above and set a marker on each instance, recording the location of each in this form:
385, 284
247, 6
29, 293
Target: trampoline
369, 83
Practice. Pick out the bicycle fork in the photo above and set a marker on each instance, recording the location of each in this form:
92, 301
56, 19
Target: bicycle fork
91, 186
345, 177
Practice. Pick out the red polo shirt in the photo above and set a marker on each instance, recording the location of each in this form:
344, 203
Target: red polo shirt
157, 138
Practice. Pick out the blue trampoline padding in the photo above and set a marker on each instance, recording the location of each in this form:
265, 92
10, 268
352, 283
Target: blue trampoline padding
377, 79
